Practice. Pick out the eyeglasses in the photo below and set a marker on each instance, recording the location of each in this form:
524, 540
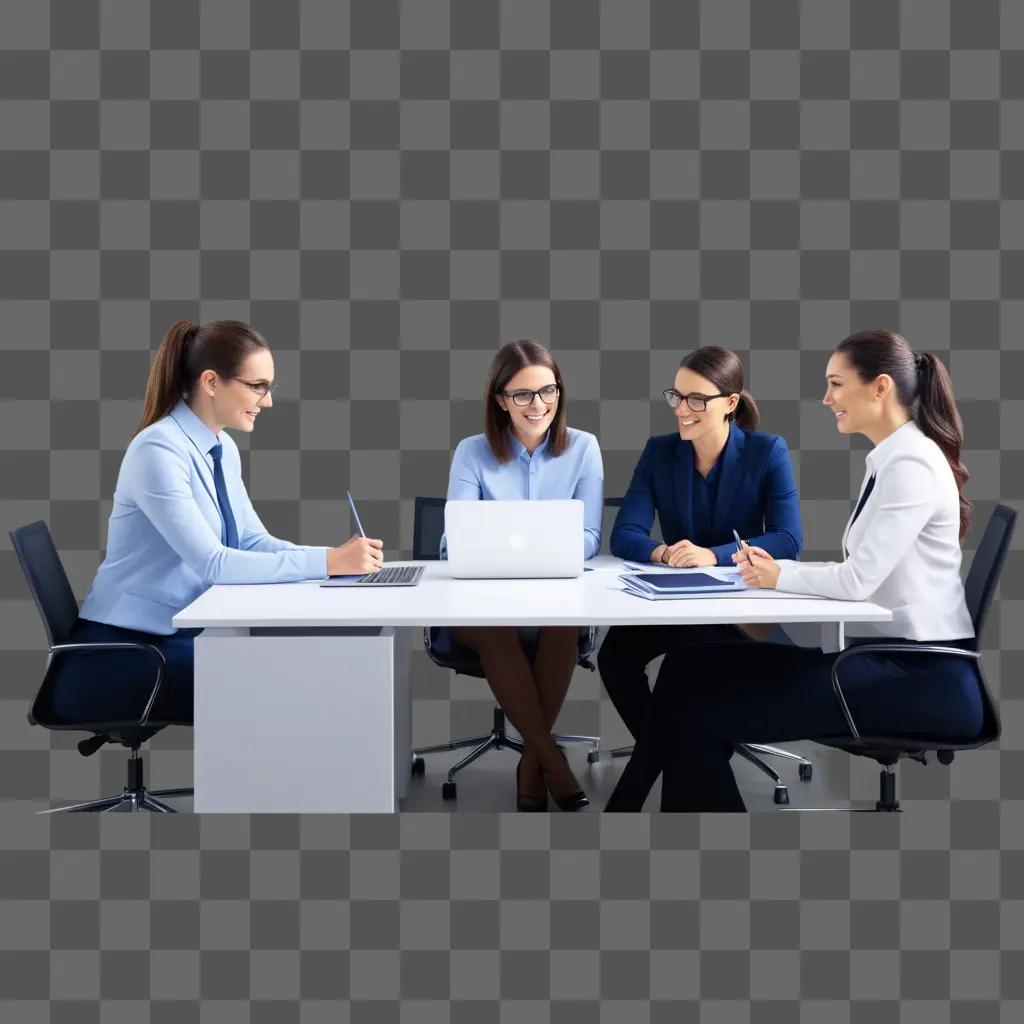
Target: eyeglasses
258, 387
548, 395
698, 403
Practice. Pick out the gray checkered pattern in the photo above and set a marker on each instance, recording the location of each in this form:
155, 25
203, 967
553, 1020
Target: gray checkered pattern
388, 191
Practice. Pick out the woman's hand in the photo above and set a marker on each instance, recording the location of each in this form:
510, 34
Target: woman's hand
686, 555
757, 568
356, 556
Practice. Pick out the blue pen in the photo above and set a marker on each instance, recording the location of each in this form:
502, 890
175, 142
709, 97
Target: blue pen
355, 514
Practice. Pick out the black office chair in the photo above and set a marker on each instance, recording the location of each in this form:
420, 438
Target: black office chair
979, 589
428, 528
59, 611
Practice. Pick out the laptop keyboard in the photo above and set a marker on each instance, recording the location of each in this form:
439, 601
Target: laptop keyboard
393, 576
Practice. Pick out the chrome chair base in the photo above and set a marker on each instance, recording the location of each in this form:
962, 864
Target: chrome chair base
750, 752
129, 801
496, 739
781, 794
134, 796
805, 767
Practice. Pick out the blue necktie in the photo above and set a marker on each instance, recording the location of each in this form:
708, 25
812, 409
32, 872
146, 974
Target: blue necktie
230, 530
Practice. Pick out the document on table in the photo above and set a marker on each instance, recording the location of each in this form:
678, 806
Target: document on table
726, 573
722, 572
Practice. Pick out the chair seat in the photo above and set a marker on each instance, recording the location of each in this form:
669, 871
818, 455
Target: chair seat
888, 749
45, 714
444, 651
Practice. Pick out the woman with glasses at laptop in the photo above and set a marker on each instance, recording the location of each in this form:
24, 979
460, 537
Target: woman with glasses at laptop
527, 451
182, 519
715, 474
902, 548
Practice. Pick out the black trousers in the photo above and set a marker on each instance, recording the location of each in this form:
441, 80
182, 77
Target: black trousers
628, 650
763, 693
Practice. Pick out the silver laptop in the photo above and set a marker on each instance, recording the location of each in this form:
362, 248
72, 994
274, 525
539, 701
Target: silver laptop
514, 539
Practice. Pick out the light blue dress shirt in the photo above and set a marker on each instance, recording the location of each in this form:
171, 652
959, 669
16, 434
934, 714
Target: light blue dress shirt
577, 473
165, 542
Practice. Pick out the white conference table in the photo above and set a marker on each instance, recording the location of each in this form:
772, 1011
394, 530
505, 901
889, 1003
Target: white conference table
302, 699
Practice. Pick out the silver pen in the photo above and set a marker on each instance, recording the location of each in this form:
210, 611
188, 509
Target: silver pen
355, 514
742, 545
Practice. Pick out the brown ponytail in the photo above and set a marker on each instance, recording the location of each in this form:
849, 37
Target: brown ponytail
919, 378
723, 368
186, 351
166, 383
939, 418
747, 414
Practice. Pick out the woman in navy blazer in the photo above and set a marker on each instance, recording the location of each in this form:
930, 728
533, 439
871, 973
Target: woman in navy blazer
715, 475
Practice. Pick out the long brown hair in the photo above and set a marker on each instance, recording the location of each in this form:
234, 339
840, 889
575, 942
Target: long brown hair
921, 378
508, 361
186, 351
723, 368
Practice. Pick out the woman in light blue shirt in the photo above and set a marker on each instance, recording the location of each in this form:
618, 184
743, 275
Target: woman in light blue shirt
182, 520
527, 451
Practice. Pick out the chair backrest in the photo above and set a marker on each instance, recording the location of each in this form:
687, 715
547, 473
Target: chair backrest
46, 579
988, 564
427, 528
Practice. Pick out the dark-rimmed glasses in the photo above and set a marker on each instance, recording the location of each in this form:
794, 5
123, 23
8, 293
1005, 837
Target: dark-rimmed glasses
698, 403
548, 395
260, 388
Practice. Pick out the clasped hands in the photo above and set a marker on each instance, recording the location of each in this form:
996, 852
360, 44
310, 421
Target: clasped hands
683, 554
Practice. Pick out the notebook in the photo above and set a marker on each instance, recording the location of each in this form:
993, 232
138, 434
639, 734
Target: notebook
659, 586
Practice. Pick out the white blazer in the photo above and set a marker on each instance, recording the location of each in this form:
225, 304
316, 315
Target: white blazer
904, 547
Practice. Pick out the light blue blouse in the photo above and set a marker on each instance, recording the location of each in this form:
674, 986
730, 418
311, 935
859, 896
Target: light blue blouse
577, 473
165, 541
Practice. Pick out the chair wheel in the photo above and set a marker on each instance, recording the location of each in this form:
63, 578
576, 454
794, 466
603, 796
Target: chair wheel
806, 770
593, 756
448, 791
781, 795
419, 766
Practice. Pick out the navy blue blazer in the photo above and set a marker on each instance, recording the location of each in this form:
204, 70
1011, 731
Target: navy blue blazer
757, 497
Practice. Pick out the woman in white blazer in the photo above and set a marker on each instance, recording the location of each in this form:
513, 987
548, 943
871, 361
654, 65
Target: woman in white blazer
902, 551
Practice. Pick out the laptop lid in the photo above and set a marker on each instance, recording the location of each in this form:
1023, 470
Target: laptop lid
514, 539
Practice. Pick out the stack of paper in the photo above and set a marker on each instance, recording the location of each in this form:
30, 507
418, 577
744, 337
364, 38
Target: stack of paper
662, 586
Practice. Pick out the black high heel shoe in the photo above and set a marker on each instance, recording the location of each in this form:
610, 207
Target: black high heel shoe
574, 801
525, 802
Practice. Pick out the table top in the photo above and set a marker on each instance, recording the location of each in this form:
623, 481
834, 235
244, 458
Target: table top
595, 598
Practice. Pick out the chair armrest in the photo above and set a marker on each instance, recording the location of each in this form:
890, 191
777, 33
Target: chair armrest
883, 648
126, 646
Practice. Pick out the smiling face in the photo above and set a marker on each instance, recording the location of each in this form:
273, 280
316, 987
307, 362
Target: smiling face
856, 404
530, 423
235, 404
712, 421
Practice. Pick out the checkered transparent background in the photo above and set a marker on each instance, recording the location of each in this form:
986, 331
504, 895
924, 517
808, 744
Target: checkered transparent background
388, 191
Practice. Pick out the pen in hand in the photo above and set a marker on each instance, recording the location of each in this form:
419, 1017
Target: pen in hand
742, 545
355, 514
